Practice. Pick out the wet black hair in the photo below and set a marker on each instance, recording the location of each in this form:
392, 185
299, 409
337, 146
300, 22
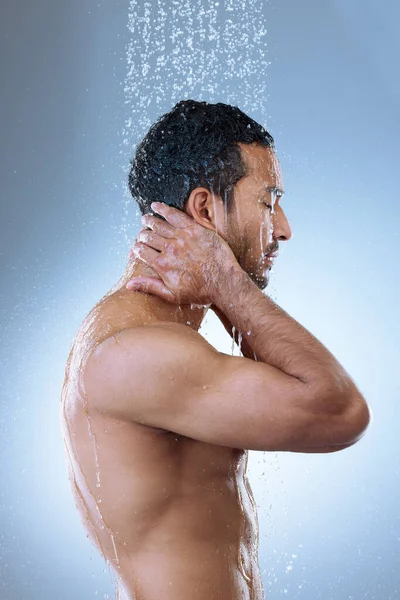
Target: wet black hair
193, 145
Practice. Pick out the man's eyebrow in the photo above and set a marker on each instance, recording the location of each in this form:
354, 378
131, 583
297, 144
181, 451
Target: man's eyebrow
269, 188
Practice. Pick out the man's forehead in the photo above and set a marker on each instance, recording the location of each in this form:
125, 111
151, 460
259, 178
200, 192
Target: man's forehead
263, 166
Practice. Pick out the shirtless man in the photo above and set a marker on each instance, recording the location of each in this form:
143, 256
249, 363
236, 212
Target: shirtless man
157, 423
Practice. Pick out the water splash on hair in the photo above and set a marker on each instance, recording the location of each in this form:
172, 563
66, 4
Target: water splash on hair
214, 51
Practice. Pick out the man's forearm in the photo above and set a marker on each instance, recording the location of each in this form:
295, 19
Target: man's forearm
278, 339
244, 345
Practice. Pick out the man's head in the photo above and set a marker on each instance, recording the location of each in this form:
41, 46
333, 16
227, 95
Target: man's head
218, 165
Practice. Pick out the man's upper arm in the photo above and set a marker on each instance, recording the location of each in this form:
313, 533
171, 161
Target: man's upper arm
170, 377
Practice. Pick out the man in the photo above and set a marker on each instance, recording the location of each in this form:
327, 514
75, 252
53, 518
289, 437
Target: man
157, 423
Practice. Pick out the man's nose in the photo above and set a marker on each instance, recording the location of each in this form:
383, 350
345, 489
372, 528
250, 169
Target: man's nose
282, 230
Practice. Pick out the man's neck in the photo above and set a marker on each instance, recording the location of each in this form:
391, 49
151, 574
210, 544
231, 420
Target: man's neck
190, 315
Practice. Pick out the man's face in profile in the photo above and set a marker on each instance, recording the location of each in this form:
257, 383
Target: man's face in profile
253, 227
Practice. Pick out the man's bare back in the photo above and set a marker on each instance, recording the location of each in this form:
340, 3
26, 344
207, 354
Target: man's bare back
175, 517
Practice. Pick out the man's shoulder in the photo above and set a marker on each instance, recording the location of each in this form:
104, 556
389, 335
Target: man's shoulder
132, 349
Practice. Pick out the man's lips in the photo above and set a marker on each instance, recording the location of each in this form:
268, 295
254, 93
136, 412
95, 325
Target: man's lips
272, 253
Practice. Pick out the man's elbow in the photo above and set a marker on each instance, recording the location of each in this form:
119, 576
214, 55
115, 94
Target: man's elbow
338, 422
353, 423
357, 418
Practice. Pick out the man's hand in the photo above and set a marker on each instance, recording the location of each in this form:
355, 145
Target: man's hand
189, 259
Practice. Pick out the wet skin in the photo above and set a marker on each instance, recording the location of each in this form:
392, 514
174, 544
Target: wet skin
174, 516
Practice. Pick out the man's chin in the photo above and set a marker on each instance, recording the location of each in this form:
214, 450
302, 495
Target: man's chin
261, 281
259, 274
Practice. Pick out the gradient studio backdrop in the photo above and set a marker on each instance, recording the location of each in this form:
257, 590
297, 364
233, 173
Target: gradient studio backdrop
78, 89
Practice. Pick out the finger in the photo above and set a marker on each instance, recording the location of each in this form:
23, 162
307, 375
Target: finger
145, 253
174, 216
150, 285
153, 240
161, 227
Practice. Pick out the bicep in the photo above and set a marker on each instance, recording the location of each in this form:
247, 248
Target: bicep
171, 378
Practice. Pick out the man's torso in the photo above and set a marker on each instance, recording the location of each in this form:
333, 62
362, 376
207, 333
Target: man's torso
174, 517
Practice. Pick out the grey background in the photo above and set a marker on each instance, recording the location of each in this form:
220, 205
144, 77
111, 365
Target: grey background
329, 524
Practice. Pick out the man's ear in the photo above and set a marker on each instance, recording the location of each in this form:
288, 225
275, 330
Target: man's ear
204, 207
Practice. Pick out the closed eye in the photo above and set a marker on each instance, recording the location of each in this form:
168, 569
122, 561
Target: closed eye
269, 206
